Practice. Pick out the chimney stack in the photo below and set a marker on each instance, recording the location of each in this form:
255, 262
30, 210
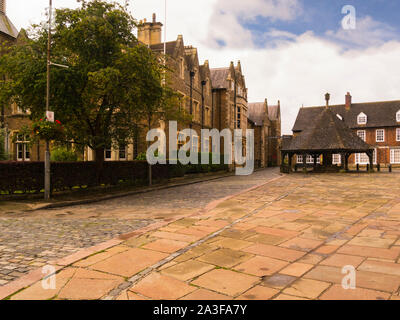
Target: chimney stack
3, 7
327, 98
149, 33
348, 101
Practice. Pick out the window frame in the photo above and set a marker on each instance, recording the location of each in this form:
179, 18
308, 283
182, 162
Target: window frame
362, 115
22, 142
383, 135
364, 138
108, 149
398, 116
393, 156
195, 146
397, 134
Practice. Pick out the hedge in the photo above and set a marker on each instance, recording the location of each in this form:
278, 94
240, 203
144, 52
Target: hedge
28, 177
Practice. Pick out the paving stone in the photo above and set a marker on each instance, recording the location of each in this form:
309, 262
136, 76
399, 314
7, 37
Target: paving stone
226, 282
158, 287
274, 252
278, 281
166, 245
258, 293
296, 269
203, 294
336, 292
371, 252
341, 260
226, 258
230, 243
301, 244
307, 288
261, 266
134, 261
188, 270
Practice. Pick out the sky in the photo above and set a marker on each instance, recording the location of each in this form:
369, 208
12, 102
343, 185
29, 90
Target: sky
290, 50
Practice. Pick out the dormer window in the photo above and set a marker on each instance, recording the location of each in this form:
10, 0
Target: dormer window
362, 118
398, 116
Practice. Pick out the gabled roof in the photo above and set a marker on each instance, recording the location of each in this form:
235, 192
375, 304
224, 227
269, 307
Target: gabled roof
219, 78
380, 114
7, 27
326, 133
256, 112
273, 112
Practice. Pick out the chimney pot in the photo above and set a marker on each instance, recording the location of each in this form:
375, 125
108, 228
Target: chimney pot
154, 18
327, 98
348, 101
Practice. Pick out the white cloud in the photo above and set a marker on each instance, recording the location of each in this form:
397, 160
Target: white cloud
368, 32
299, 71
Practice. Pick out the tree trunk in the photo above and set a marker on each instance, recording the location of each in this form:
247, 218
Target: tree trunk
99, 158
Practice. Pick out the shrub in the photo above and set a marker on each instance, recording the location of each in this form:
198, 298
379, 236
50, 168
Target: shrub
3, 155
63, 155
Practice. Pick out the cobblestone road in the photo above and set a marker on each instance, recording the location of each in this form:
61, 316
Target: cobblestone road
30, 240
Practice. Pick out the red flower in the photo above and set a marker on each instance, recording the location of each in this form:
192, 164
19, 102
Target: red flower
58, 121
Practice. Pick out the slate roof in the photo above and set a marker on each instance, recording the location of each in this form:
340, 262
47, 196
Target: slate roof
380, 114
273, 112
7, 27
218, 78
256, 113
327, 133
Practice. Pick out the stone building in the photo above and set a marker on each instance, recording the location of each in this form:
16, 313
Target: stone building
266, 122
230, 103
12, 117
188, 78
377, 123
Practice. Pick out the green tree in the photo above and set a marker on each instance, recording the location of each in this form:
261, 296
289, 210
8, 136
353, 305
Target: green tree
3, 155
111, 77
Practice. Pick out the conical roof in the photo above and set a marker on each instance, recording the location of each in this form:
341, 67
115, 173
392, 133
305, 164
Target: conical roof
7, 27
328, 133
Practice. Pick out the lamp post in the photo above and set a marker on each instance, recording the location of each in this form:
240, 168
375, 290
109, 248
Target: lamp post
47, 154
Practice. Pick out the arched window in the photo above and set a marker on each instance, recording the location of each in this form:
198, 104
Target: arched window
398, 116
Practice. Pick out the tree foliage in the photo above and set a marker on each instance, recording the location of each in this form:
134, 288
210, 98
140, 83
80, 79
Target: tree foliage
113, 84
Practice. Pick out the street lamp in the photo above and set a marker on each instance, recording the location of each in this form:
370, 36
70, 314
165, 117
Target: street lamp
47, 169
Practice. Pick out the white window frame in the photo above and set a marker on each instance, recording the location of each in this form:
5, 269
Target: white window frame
393, 156
23, 143
383, 135
362, 158
362, 134
336, 158
398, 134
309, 159
362, 118
398, 116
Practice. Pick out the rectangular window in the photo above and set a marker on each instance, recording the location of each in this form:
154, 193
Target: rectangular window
361, 134
181, 140
206, 145
362, 158
195, 144
122, 152
107, 153
398, 134
380, 135
239, 117
309, 159
299, 159
336, 159
23, 152
395, 156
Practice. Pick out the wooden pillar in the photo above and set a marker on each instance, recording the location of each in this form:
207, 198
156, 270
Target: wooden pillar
346, 161
371, 161
304, 162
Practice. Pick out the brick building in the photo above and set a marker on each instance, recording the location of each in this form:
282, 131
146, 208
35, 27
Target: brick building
13, 118
377, 123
